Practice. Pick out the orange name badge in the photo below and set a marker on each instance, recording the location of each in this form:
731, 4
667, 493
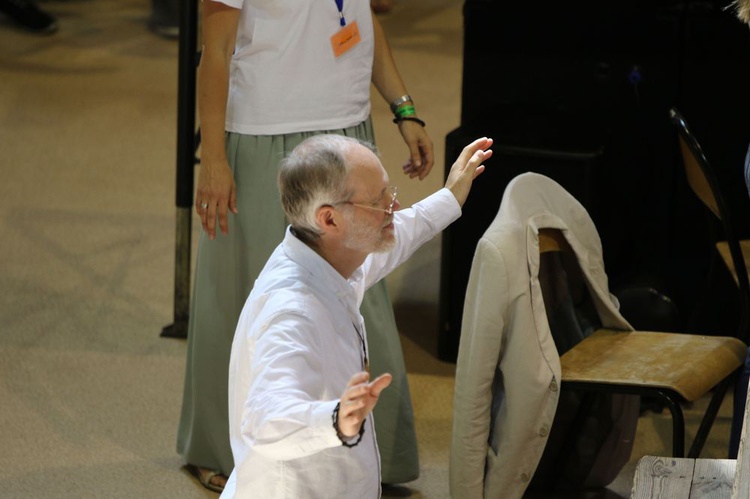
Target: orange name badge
345, 38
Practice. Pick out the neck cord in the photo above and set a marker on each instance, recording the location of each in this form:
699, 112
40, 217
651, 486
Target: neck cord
364, 347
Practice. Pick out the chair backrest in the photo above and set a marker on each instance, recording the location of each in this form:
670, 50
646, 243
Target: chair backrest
570, 312
572, 316
552, 240
705, 185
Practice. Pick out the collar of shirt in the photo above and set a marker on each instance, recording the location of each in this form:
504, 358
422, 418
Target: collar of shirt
324, 275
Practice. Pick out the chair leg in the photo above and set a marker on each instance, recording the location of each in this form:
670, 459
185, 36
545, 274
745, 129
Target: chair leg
738, 411
672, 401
669, 398
678, 421
708, 418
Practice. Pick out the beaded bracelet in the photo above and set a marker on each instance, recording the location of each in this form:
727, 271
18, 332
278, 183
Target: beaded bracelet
399, 119
338, 433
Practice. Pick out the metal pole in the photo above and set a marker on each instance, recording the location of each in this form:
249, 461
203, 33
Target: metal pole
186, 145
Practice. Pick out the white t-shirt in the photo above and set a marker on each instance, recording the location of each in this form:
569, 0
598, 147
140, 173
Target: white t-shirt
284, 75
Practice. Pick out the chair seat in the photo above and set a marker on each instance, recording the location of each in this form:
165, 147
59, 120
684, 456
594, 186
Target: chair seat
723, 248
654, 359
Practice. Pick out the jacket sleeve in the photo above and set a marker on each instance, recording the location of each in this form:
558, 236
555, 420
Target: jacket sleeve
479, 353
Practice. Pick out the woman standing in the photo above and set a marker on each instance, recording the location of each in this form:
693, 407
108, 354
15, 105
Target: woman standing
271, 74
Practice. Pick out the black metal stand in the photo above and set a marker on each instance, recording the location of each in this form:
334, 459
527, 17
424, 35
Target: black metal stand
186, 145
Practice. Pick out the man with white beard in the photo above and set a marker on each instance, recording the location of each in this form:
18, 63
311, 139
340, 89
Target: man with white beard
299, 388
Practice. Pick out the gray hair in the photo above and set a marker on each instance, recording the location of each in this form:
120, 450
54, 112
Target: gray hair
312, 175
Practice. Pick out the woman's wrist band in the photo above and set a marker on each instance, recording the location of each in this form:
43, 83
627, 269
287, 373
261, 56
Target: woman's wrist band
345, 443
399, 119
405, 111
401, 100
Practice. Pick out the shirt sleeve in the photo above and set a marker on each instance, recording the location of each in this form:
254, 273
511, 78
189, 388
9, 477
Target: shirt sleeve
288, 410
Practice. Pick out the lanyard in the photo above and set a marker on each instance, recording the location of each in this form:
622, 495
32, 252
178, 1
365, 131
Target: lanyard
365, 360
340, 6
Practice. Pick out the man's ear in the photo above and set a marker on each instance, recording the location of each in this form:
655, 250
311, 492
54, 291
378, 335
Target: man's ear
329, 219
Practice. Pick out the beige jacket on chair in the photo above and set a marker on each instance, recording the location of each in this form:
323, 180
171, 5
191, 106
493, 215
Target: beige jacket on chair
507, 364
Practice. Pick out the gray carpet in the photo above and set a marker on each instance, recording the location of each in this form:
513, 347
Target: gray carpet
89, 391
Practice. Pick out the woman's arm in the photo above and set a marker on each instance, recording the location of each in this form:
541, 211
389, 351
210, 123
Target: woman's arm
387, 80
216, 192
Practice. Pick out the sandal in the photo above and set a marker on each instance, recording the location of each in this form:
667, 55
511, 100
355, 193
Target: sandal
205, 476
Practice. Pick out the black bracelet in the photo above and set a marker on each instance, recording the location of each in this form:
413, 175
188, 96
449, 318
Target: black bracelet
335, 418
399, 119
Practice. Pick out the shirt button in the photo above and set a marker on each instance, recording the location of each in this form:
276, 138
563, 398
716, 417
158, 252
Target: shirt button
544, 431
524, 477
553, 385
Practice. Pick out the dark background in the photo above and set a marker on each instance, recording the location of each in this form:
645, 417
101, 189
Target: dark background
580, 91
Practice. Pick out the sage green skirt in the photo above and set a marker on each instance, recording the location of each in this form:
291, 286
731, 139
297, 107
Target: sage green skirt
226, 269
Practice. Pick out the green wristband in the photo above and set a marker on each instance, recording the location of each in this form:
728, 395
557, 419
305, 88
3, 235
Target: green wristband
401, 100
404, 111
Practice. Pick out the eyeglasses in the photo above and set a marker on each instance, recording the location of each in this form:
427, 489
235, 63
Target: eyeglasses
392, 190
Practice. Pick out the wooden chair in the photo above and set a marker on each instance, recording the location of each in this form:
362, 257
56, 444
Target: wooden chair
672, 367
735, 253
732, 251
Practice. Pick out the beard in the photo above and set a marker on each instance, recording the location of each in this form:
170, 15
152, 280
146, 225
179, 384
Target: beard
369, 239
